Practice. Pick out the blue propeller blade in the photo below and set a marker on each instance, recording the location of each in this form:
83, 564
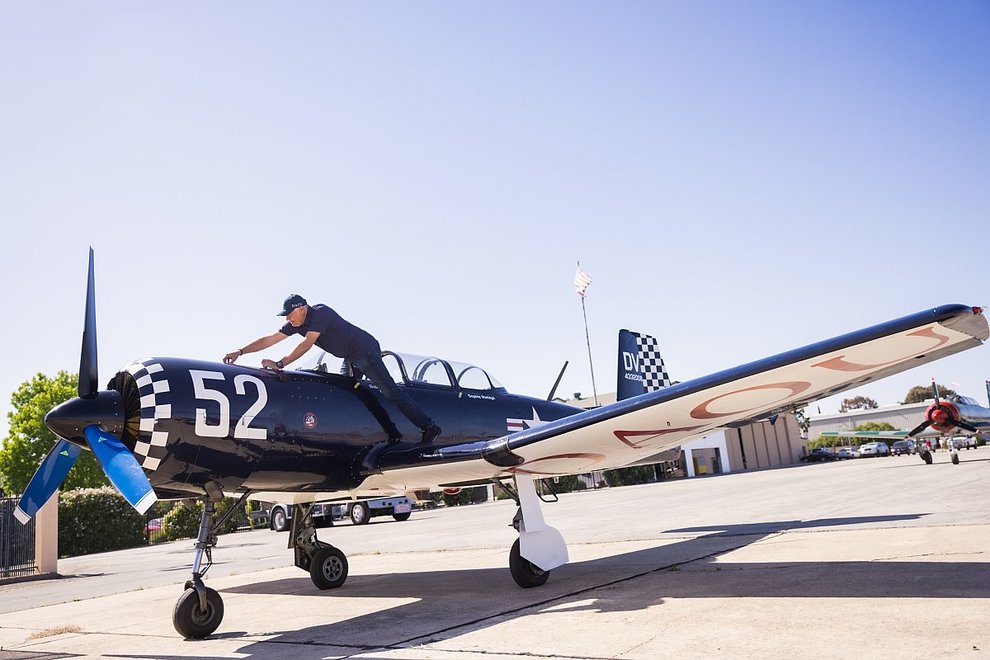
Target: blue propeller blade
121, 468
47, 479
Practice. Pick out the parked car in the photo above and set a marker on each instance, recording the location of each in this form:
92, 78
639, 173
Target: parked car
874, 449
818, 455
847, 452
963, 442
902, 447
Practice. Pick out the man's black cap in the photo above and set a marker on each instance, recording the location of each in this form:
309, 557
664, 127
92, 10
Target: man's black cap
293, 301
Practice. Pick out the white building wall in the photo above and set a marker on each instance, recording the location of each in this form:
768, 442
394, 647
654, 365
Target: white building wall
901, 417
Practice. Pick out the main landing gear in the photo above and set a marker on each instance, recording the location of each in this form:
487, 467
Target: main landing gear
326, 564
539, 548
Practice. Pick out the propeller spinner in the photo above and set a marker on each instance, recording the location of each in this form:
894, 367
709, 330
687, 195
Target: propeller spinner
95, 421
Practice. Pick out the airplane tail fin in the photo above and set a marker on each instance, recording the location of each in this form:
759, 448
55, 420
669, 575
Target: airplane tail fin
641, 367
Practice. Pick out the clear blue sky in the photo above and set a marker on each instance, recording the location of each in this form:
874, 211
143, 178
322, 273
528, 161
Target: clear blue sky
740, 178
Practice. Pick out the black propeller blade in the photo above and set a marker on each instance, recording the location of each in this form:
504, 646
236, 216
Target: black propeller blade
96, 417
88, 373
967, 426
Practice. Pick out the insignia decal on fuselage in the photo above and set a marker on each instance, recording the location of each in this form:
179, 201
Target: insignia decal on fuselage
309, 420
150, 447
512, 424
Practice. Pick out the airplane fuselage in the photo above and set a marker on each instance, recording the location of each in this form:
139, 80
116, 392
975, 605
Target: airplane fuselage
976, 415
193, 422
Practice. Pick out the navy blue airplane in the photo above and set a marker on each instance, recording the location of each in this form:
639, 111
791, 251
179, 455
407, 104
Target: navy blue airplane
176, 428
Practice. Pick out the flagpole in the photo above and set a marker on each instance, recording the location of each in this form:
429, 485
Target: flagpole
594, 388
581, 282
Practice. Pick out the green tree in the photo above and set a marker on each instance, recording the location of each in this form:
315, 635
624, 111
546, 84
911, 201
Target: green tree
858, 403
30, 440
920, 393
801, 416
630, 476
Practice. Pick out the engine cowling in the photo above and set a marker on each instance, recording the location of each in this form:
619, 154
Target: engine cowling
942, 416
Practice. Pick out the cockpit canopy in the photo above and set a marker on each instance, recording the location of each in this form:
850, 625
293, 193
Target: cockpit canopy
964, 400
416, 370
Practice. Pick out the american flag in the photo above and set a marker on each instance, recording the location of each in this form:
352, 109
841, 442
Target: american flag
581, 281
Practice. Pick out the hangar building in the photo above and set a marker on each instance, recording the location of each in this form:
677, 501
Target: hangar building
749, 447
901, 417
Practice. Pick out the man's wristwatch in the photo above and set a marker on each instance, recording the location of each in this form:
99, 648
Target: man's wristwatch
280, 364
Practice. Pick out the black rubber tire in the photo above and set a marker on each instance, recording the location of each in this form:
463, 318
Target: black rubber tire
525, 573
402, 516
280, 522
926, 456
193, 623
328, 568
359, 513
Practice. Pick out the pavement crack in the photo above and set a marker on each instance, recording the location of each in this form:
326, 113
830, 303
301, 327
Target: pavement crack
928, 555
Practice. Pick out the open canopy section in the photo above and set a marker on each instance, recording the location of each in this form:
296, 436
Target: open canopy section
418, 370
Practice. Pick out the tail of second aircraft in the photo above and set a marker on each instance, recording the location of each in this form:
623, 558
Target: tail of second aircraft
641, 367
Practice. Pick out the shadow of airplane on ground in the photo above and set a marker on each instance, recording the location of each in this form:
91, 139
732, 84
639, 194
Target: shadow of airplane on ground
455, 602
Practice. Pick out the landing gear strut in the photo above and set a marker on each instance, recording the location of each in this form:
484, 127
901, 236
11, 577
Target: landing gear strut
539, 547
326, 564
199, 610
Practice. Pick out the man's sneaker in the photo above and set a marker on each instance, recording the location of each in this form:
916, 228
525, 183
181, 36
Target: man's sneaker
430, 434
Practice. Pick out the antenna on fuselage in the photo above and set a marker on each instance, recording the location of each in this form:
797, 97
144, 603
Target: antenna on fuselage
553, 390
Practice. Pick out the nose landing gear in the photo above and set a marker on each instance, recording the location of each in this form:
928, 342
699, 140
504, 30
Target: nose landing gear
199, 610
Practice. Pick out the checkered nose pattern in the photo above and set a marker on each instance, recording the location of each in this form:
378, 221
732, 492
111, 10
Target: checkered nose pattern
154, 388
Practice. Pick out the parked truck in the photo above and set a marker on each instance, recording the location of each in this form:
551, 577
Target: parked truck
359, 511
963, 442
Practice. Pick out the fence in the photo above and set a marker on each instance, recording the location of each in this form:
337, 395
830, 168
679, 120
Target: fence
16, 542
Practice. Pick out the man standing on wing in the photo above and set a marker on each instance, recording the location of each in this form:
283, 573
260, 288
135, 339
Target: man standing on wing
320, 325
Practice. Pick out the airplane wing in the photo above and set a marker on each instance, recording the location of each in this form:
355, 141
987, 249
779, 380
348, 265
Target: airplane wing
618, 434
627, 431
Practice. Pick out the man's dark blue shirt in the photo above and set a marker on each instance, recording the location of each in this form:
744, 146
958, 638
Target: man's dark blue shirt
337, 336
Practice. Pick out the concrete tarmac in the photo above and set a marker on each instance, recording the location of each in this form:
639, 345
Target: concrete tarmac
883, 557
